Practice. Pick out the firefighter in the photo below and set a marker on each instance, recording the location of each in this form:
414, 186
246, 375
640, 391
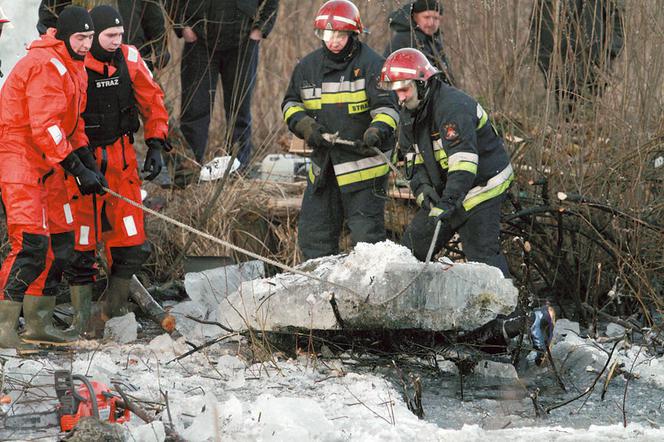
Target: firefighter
333, 92
41, 138
145, 21
417, 25
120, 88
459, 168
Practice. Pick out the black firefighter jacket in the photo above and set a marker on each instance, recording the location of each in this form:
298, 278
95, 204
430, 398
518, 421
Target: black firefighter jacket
343, 97
408, 35
223, 24
457, 150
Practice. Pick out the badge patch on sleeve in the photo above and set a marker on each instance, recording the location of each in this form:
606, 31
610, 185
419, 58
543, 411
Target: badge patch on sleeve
451, 132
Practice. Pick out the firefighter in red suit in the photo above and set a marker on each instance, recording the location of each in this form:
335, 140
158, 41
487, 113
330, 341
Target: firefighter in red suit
120, 89
41, 136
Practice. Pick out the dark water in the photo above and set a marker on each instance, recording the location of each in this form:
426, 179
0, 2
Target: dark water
495, 403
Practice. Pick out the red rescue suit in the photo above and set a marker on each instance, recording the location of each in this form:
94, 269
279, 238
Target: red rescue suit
117, 93
40, 124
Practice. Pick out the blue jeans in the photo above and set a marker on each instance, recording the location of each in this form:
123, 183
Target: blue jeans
199, 73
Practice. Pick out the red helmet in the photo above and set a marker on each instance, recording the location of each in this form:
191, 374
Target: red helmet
404, 66
338, 15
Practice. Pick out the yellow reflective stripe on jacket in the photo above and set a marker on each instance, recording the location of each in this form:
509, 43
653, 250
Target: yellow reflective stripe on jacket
363, 175
465, 166
362, 163
312, 178
384, 118
361, 170
496, 186
482, 115
463, 161
336, 98
292, 110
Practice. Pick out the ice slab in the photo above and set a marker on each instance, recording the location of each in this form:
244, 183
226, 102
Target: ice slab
209, 287
377, 286
122, 329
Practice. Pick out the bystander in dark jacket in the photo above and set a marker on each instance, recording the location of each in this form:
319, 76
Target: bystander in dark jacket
221, 38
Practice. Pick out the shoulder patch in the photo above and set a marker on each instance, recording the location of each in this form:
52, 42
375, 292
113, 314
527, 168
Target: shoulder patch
132, 54
59, 66
451, 131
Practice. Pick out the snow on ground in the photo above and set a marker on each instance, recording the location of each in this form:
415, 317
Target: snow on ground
23, 16
215, 393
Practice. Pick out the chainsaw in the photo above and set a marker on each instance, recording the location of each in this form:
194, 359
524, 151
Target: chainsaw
90, 398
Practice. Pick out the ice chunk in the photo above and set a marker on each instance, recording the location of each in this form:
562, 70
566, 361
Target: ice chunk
614, 330
376, 286
564, 327
291, 418
190, 328
152, 432
122, 329
210, 287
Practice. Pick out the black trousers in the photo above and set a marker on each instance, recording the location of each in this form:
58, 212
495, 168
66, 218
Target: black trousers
200, 69
325, 209
479, 230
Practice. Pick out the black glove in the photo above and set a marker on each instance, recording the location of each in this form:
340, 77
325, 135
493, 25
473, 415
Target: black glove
443, 210
86, 179
372, 137
360, 148
153, 161
88, 160
426, 197
312, 132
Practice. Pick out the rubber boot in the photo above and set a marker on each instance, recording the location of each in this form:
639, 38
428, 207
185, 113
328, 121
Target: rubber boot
115, 297
9, 338
39, 328
81, 301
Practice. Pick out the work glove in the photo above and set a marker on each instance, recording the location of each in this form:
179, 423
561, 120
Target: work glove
153, 161
426, 197
312, 132
443, 210
88, 160
372, 137
361, 148
87, 180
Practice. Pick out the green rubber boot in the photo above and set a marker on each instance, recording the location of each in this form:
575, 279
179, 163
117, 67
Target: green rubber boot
81, 301
115, 297
39, 328
9, 338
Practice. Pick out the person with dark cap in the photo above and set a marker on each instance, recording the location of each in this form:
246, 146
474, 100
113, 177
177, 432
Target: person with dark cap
417, 25
120, 88
42, 143
221, 39
143, 19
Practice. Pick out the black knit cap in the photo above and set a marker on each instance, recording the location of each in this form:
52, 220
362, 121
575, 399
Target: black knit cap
427, 5
103, 17
71, 20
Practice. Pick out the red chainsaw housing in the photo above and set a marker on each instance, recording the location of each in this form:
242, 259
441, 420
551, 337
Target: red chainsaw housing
107, 405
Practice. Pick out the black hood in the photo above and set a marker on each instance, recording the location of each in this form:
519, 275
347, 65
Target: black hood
401, 20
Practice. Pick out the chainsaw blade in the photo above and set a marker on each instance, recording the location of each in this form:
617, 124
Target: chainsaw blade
35, 421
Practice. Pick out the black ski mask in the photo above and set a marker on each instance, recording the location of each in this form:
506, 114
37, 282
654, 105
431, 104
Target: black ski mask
73, 19
103, 17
